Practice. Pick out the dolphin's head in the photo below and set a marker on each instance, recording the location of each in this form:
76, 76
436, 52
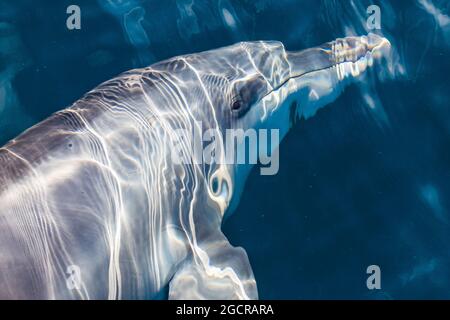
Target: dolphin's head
261, 86
248, 83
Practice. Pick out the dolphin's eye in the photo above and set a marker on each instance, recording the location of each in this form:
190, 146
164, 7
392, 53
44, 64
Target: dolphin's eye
246, 92
237, 105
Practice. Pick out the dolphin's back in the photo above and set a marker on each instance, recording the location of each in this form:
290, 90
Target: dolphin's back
50, 212
78, 192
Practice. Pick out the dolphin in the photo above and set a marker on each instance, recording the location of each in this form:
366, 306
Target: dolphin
93, 204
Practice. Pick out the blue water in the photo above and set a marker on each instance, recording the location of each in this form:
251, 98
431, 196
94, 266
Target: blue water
366, 181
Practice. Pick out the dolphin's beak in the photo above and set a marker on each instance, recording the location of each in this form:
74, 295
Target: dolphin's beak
318, 75
347, 55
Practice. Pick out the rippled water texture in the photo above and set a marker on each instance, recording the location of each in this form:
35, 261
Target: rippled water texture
365, 181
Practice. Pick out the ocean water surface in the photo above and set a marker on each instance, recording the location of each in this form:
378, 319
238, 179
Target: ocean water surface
364, 182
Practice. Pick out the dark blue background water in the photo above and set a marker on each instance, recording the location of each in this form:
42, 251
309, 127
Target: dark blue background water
366, 181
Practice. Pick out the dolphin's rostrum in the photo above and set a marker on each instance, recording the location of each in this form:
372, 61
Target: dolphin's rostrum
93, 188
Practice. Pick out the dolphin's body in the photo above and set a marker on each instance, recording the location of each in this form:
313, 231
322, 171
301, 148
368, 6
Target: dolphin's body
93, 189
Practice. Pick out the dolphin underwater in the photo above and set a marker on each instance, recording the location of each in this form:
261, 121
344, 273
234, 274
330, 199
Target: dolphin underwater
92, 204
